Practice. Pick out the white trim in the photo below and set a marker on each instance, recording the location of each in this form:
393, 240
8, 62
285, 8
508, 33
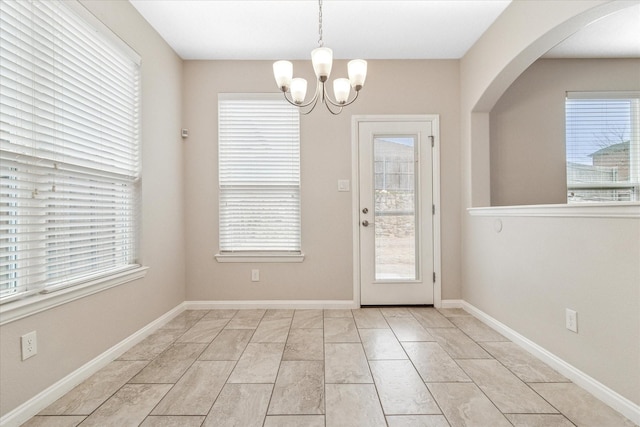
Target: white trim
245, 96
434, 119
609, 94
435, 197
278, 304
45, 398
596, 388
19, 309
585, 210
355, 205
254, 257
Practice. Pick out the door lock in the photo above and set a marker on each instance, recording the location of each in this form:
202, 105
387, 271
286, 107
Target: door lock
365, 210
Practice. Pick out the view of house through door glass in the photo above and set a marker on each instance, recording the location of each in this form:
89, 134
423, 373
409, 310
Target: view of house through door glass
395, 213
395, 209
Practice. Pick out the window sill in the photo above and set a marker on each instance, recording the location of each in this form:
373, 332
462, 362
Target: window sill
578, 210
19, 309
260, 257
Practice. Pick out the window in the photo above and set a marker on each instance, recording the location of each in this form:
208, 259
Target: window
259, 175
69, 169
603, 146
394, 164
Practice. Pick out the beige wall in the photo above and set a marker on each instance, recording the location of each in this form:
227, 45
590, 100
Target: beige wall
528, 127
392, 87
528, 276
75, 333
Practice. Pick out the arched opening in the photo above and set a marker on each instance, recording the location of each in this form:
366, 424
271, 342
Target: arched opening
497, 60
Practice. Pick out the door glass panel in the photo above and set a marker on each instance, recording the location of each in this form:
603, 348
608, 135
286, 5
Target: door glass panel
395, 208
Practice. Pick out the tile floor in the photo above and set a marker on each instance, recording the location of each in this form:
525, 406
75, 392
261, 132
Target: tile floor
369, 367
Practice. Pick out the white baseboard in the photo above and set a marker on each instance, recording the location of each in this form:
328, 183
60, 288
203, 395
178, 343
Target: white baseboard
281, 304
596, 388
451, 303
45, 398
66, 384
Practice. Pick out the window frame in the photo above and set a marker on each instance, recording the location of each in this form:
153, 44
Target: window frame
634, 148
262, 256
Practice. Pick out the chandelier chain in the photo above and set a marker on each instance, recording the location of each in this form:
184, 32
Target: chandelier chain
320, 41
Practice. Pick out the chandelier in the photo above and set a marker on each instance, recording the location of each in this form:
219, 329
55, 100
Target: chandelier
295, 89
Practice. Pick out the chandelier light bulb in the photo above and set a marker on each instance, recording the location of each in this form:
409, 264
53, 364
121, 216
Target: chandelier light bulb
357, 69
283, 72
322, 60
341, 88
298, 90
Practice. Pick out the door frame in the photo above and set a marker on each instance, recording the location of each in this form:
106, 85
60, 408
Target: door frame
434, 119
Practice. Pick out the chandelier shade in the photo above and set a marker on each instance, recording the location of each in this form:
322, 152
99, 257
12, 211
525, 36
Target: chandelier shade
341, 90
322, 60
357, 70
295, 89
298, 90
283, 72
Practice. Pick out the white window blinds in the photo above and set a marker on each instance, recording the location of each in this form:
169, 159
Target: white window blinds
69, 134
603, 146
259, 174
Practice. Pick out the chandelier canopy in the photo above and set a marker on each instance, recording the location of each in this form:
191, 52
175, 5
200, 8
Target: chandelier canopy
295, 89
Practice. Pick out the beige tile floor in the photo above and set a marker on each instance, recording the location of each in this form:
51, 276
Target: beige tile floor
370, 367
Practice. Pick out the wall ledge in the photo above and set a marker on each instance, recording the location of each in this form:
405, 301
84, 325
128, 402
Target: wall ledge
585, 210
253, 257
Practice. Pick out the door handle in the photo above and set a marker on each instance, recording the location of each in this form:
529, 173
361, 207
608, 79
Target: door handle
365, 223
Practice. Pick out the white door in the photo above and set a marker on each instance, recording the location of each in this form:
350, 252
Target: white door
396, 212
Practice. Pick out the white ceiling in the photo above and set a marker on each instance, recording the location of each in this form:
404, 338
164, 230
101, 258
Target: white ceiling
614, 36
367, 29
266, 29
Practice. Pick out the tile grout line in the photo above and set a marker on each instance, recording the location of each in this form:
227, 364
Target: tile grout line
324, 372
414, 366
225, 381
490, 357
133, 376
527, 384
266, 413
375, 386
197, 358
234, 366
472, 381
509, 370
192, 363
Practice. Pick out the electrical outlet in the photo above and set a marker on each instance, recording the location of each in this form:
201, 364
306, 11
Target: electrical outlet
571, 320
29, 344
255, 275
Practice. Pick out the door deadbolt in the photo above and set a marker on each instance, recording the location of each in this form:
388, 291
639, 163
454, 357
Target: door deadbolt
365, 210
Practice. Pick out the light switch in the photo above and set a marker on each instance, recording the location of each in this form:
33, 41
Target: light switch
343, 185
